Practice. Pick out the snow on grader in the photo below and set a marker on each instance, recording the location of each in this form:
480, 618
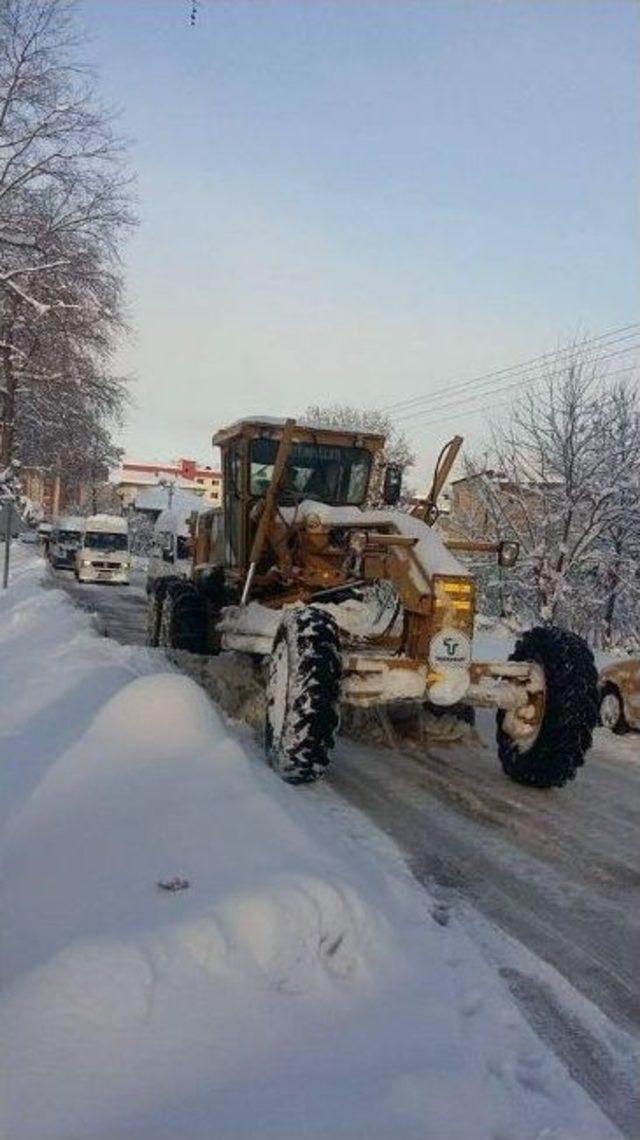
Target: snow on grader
351, 606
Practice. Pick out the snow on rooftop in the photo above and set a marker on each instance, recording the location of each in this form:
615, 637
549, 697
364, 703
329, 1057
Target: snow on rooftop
157, 498
150, 471
69, 522
103, 521
280, 421
175, 519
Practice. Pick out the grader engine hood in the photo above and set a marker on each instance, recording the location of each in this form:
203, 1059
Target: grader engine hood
435, 591
430, 554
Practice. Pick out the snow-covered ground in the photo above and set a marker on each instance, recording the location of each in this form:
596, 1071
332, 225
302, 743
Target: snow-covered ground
303, 985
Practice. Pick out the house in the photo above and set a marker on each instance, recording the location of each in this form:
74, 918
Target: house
50, 493
488, 500
153, 500
185, 475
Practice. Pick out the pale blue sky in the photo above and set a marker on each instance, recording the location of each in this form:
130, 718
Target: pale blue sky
349, 200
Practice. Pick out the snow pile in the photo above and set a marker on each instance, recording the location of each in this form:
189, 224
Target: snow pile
234, 680
299, 987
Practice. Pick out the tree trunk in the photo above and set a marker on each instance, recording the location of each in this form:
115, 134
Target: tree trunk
8, 409
612, 597
9, 382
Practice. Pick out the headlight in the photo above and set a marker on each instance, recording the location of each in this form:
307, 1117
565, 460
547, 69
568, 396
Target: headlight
85, 561
453, 593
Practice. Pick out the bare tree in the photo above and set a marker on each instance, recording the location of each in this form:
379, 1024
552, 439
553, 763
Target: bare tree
63, 214
616, 568
566, 469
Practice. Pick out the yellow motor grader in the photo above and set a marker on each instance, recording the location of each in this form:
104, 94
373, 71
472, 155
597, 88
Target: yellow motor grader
356, 606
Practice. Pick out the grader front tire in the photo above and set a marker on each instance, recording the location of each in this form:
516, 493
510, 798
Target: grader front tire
303, 695
570, 710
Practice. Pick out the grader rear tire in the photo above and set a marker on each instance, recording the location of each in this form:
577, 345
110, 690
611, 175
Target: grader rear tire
570, 713
303, 695
182, 623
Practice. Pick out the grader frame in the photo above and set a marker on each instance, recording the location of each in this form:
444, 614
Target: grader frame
296, 551
290, 550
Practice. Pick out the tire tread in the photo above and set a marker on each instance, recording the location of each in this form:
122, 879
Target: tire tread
313, 715
571, 711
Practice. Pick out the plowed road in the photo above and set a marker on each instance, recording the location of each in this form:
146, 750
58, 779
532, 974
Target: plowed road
559, 871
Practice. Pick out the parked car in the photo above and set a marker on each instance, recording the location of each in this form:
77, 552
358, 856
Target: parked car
65, 540
619, 689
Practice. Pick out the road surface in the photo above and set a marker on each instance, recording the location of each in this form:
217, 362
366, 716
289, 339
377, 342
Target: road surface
557, 871
118, 611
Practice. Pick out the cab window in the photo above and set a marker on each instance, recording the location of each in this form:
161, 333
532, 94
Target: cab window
328, 474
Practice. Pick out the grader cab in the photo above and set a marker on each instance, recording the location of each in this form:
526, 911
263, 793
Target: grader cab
350, 604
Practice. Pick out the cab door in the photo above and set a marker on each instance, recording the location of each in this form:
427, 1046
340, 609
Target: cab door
233, 504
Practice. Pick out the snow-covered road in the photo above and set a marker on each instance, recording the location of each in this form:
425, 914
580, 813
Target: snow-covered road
119, 611
558, 872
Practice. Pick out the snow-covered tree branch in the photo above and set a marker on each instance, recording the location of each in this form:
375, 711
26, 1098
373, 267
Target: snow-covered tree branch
565, 483
64, 212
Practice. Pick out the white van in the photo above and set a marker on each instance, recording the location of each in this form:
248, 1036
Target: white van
64, 540
170, 551
104, 555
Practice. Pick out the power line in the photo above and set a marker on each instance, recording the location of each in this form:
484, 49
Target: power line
514, 382
453, 412
525, 366
462, 402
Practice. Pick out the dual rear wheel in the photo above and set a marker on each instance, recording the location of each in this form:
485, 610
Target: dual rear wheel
176, 617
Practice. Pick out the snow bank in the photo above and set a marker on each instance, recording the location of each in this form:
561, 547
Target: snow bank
300, 987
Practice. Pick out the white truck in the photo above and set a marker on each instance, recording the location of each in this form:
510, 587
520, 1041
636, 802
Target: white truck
170, 550
104, 555
65, 540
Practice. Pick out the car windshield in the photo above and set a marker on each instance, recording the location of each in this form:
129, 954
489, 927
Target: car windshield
69, 536
336, 475
104, 540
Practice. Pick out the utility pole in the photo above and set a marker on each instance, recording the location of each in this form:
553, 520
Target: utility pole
170, 487
8, 506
